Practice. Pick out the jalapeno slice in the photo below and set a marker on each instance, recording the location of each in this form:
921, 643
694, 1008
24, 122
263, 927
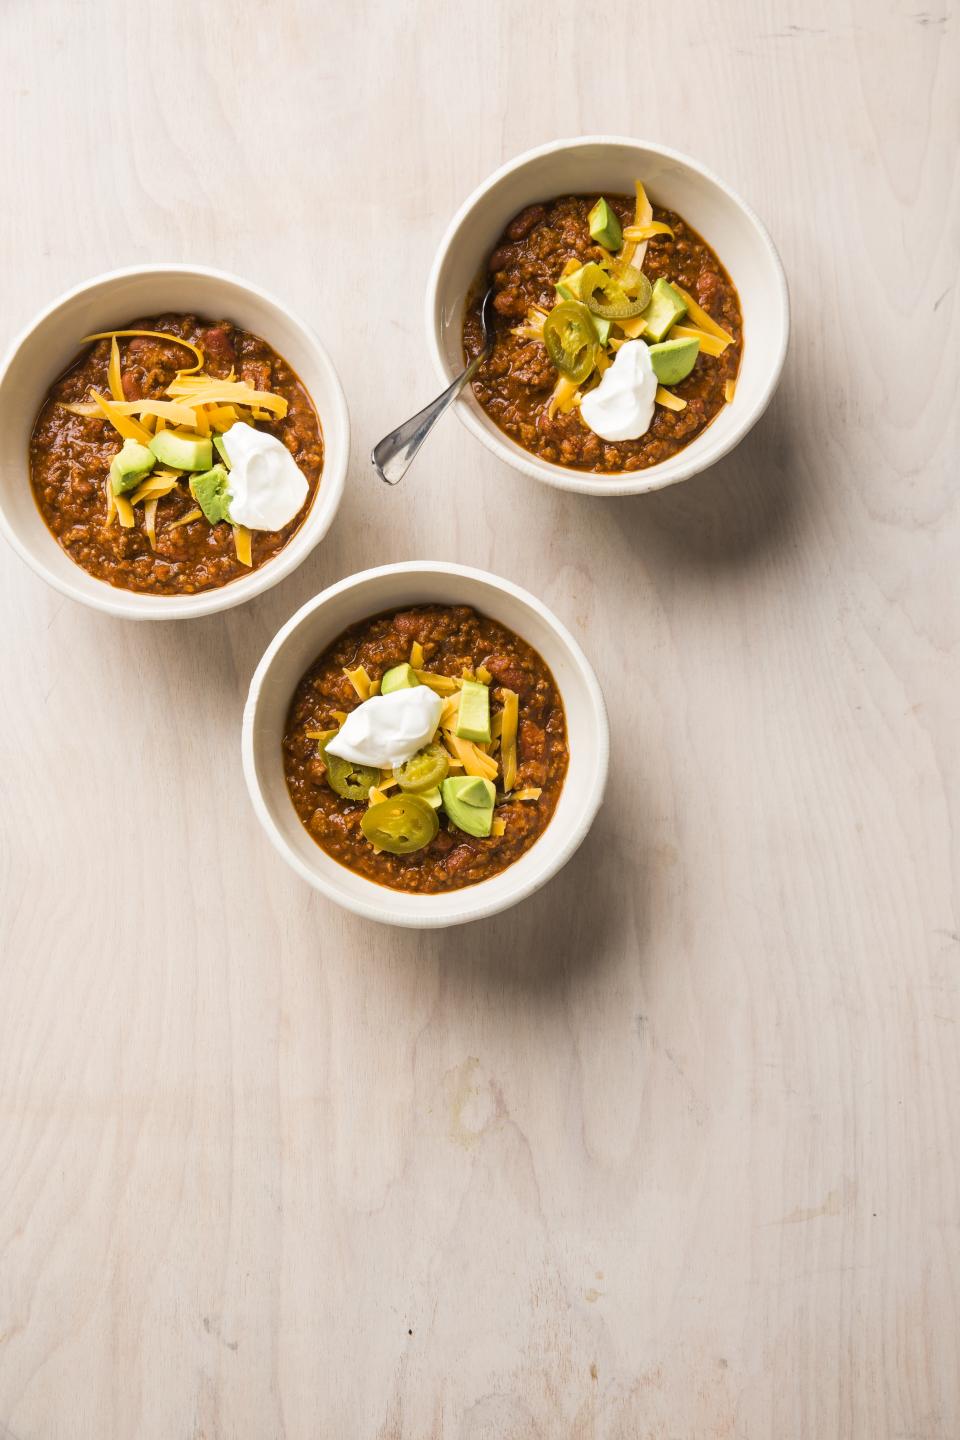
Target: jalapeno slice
635, 285
571, 340
400, 825
423, 771
351, 782
605, 296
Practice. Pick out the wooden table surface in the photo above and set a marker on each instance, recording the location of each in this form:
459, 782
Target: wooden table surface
672, 1150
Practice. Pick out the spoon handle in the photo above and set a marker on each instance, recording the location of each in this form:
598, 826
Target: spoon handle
391, 456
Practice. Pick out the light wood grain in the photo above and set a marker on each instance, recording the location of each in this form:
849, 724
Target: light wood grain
672, 1150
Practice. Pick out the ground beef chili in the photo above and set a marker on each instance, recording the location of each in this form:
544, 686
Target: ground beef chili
515, 383
453, 638
70, 456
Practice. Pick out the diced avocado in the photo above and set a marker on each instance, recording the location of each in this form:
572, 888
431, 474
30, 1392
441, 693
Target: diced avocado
673, 360
602, 328
472, 790
666, 307
604, 225
401, 677
473, 719
221, 450
211, 492
182, 451
468, 801
130, 464
568, 286
432, 797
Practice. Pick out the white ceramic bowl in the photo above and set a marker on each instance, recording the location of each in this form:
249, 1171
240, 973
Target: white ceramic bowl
395, 587
590, 165
48, 345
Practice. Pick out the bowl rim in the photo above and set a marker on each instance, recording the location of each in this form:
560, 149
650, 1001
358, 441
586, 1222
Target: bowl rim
383, 909
129, 604
689, 461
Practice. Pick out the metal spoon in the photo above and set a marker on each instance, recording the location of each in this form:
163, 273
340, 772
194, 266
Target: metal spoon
392, 456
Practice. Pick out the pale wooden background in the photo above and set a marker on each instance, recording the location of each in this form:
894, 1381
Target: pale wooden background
671, 1151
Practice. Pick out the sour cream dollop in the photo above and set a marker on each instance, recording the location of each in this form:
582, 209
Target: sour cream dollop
621, 407
387, 730
267, 487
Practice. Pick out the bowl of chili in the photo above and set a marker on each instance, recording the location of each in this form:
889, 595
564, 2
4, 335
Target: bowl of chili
354, 633
57, 506
532, 229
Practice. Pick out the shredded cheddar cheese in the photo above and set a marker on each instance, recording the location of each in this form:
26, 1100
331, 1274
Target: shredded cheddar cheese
531, 792
169, 409
153, 488
710, 344
150, 521
729, 390
499, 826
508, 736
154, 335
193, 514
633, 254
668, 400
125, 425
206, 389
416, 655
633, 328
699, 316
221, 417
243, 544
360, 681
564, 396
439, 684
474, 761
113, 371
646, 231
450, 711
124, 511
532, 326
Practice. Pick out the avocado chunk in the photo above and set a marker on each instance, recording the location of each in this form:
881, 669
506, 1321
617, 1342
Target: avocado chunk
673, 360
221, 450
568, 287
211, 492
401, 677
468, 801
604, 225
130, 464
182, 451
666, 307
473, 718
602, 328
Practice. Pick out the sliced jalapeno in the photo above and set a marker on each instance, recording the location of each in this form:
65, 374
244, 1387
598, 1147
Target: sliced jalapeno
571, 340
400, 825
423, 771
351, 782
604, 295
634, 285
